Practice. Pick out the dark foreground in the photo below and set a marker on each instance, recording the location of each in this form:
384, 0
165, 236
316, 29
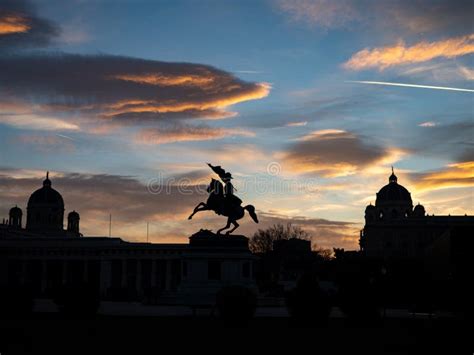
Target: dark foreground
48, 334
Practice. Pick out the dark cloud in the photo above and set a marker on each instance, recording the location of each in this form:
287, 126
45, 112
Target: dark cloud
332, 153
20, 26
428, 16
416, 17
123, 88
444, 140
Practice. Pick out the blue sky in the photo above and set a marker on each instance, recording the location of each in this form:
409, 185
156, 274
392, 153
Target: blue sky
96, 91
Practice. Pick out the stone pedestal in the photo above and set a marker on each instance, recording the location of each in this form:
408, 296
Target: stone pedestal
206, 238
213, 262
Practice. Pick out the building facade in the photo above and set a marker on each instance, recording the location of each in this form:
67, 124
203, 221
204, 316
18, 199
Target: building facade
44, 257
395, 229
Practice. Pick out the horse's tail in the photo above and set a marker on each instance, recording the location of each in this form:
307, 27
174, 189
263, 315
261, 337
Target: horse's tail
251, 210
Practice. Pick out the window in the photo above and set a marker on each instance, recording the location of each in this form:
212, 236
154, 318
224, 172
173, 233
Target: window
214, 270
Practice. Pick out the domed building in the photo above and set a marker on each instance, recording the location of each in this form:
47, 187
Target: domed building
45, 211
45, 215
394, 229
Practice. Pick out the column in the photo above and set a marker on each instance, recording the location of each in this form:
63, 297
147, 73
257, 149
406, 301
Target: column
167, 274
138, 281
153, 273
105, 274
124, 273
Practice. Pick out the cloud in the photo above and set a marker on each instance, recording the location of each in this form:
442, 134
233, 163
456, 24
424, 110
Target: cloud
10, 24
429, 16
468, 73
446, 141
428, 124
324, 233
332, 153
47, 143
297, 124
20, 26
454, 175
186, 133
326, 14
442, 72
95, 196
131, 204
124, 89
39, 122
400, 54
397, 16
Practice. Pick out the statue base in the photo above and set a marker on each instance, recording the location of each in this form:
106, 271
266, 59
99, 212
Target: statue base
207, 238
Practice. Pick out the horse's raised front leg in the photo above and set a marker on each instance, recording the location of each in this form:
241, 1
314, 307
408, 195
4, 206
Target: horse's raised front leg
226, 226
236, 225
197, 209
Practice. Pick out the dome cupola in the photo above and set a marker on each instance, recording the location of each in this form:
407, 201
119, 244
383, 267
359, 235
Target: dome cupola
393, 200
45, 211
15, 216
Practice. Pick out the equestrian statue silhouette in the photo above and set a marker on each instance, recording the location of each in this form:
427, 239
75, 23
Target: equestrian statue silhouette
222, 201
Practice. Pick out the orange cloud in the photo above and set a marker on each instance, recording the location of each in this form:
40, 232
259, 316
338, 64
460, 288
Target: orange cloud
187, 133
213, 108
126, 90
10, 24
166, 80
399, 54
453, 176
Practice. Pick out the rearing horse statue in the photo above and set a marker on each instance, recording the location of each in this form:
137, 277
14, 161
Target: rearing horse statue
218, 203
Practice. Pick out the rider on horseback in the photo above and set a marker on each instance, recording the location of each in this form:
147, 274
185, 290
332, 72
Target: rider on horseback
229, 198
222, 201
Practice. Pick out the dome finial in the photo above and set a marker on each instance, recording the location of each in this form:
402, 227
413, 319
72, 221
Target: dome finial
47, 182
393, 177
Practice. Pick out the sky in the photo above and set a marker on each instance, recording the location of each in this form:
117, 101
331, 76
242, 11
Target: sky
307, 103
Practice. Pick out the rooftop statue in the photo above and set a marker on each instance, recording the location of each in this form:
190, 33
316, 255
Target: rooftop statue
222, 201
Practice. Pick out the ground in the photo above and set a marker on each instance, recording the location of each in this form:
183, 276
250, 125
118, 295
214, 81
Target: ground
46, 334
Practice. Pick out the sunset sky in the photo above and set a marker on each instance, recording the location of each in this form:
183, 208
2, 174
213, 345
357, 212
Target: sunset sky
125, 101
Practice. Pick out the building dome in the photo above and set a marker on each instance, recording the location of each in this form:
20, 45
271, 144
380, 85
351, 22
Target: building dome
45, 211
419, 210
46, 195
14, 217
15, 211
393, 193
73, 222
73, 215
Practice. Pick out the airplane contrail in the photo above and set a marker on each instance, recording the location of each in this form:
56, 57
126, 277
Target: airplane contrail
410, 85
63, 136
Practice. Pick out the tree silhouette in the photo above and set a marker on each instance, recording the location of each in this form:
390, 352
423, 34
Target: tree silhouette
262, 241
